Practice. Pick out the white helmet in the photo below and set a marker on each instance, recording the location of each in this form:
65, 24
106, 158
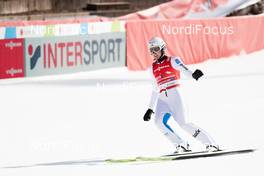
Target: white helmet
156, 42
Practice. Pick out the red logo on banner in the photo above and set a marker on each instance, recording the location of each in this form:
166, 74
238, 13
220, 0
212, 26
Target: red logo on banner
11, 58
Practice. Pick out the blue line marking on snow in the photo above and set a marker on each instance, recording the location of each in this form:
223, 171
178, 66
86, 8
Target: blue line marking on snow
165, 120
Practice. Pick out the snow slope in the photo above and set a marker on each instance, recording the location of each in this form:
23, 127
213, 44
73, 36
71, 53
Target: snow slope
98, 114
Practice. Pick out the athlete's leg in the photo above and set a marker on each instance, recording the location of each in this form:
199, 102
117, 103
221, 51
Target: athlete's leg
162, 116
178, 113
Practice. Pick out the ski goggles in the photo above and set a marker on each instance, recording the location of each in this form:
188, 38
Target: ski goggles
154, 49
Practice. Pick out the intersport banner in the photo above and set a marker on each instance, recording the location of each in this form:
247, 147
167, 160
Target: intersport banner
56, 55
194, 40
11, 58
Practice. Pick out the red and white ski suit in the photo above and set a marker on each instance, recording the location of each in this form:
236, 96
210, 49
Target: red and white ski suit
168, 102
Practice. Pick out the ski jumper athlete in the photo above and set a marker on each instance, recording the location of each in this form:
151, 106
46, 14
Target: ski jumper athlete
165, 71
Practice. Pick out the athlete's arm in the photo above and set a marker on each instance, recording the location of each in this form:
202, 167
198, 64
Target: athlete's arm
177, 63
155, 90
154, 97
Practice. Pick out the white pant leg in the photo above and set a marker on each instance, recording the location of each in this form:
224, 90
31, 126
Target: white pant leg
176, 106
178, 113
199, 134
162, 115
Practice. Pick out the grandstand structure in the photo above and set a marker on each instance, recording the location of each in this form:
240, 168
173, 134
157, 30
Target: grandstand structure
72, 9
47, 9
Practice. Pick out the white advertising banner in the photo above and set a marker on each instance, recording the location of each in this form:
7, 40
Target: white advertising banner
56, 55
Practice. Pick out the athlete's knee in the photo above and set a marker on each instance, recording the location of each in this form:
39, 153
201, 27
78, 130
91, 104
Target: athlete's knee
165, 124
161, 120
166, 118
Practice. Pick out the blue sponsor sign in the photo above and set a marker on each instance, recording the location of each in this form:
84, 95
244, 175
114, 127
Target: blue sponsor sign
84, 28
10, 32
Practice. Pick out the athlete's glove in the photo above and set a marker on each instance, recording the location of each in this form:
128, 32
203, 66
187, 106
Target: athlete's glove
197, 74
148, 114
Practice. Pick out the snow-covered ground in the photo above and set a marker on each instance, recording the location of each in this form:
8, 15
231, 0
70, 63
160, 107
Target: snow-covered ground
98, 114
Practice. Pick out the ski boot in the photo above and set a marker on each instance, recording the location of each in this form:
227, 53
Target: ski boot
182, 149
212, 148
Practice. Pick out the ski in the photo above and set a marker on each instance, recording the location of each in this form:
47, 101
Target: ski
142, 159
184, 153
187, 155
151, 158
